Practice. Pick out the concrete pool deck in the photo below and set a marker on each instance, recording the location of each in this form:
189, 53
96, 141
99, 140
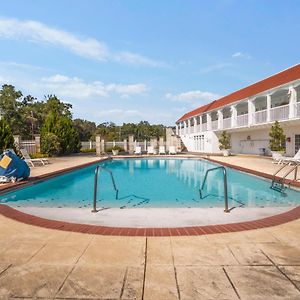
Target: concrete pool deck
45, 263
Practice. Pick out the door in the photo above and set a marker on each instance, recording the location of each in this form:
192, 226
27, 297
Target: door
297, 143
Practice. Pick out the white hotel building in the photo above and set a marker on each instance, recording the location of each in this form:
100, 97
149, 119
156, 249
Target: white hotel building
248, 115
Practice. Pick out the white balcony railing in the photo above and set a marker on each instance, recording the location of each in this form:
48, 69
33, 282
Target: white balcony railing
204, 126
279, 113
298, 109
214, 125
261, 116
242, 120
227, 123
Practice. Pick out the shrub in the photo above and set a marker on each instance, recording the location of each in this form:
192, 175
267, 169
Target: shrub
88, 150
50, 144
277, 138
115, 148
6, 137
224, 141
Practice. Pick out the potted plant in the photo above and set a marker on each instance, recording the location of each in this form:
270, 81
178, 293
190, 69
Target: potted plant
277, 139
224, 143
115, 150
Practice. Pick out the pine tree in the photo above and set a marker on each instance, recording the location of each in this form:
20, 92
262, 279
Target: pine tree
6, 136
224, 141
277, 138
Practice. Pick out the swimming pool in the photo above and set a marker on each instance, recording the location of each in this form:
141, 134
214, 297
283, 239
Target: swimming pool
153, 183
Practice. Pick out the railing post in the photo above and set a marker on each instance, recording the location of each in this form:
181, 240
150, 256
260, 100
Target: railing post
225, 191
95, 190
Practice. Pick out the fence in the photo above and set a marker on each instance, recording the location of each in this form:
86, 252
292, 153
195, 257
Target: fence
88, 145
29, 145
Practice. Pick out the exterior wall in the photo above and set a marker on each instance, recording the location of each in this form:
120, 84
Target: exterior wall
209, 142
253, 141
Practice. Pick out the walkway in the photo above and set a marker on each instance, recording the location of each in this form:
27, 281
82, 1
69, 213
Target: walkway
51, 264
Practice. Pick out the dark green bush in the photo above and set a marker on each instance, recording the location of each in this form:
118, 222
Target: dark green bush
50, 144
6, 136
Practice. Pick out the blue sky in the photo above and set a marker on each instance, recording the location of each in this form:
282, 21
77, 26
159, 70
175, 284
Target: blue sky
126, 61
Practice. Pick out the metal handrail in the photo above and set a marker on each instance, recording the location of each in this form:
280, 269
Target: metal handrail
96, 185
227, 210
283, 178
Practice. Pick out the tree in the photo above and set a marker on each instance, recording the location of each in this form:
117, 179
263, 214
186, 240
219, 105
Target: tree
6, 136
85, 129
277, 137
10, 107
224, 141
59, 123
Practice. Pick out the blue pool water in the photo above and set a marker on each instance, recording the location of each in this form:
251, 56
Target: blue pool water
151, 182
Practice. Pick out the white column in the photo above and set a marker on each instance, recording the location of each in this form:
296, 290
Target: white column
233, 115
269, 102
220, 119
208, 116
251, 112
292, 102
195, 125
184, 127
200, 123
177, 129
189, 126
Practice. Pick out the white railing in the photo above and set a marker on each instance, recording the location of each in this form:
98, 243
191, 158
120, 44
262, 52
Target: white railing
279, 113
242, 120
88, 145
227, 123
29, 145
204, 126
298, 109
214, 125
261, 116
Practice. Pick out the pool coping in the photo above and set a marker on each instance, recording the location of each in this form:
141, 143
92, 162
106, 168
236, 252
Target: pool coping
29, 219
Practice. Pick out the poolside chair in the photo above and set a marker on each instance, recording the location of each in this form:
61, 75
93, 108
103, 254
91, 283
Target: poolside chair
30, 161
150, 150
277, 158
290, 160
162, 150
172, 150
138, 150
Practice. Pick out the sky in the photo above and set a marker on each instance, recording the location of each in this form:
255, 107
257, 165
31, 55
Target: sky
132, 60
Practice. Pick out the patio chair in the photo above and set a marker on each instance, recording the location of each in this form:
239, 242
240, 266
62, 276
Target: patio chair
30, 161
150, 150
290, 160
138, 150
162, 150
172, 150
277, 158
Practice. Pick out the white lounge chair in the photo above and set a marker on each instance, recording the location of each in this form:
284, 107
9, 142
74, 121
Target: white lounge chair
30, 161
162, 150
290, 160
277, 158
138, 150
150, 150
172, 150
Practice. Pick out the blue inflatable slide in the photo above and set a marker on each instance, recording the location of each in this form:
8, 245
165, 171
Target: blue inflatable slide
12, 167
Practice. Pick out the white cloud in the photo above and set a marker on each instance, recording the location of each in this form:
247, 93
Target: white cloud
193, 97
77, 88
241, 55
214, 67
86, 47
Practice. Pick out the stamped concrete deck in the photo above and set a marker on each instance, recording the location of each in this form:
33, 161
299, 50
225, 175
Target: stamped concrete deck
45, 263
49, 264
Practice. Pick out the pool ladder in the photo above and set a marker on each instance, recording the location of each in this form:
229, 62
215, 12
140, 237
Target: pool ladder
278, 183
226, 209
96, 185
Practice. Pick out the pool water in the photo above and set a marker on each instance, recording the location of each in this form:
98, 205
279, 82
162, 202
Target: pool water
152, 182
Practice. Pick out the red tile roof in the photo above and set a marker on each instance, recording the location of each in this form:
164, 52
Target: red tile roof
273, 81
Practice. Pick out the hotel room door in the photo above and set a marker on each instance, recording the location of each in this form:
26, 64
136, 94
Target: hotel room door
297, 142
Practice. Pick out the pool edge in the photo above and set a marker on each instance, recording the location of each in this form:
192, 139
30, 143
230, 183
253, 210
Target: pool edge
22, 217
